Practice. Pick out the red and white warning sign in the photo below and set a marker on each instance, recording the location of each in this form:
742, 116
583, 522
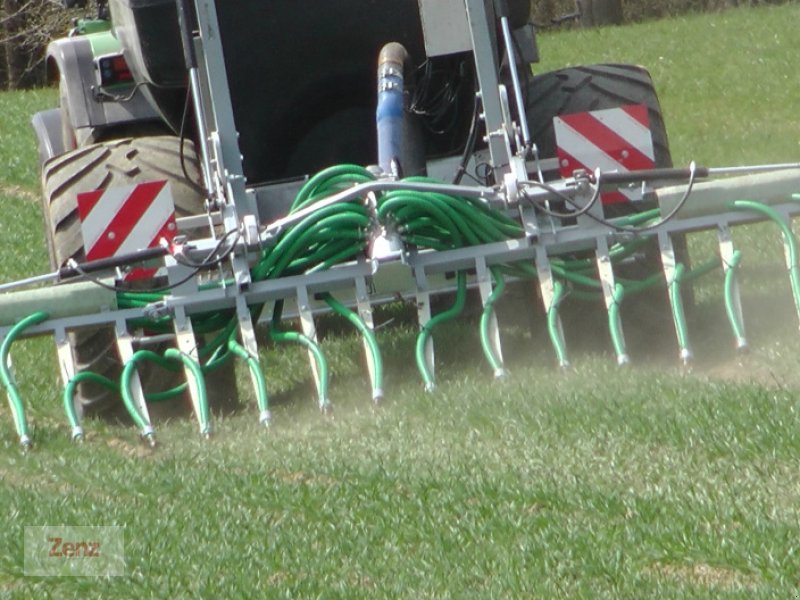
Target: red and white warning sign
124, 219
612, 139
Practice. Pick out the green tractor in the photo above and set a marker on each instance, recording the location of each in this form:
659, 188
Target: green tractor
209, 160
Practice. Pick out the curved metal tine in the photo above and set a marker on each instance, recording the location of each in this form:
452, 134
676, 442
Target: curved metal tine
187, 344
726, 254
365, 312
310, 331
612, 299
550, 300
671, 275
486, 287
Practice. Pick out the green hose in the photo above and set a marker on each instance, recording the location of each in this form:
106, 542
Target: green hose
615, 325
616, 253
339, 232
168, 361
69, 394
427, 329
789, 241
327, 180
261, 385
6, 377
637, 218
678, 316
274, 259
577, 278
552, 325
200, 385
730, 302
281, 337
703, 269
328, 236
486, 316
369, 338
127, 397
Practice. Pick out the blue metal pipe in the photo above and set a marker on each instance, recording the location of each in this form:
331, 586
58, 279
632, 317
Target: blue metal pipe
390, 115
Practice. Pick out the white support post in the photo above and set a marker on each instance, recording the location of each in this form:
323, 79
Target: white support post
550, 301
186, 344
485, 286
68, 370
726, 254
248, 334
424, 315
125, 349
365, 312
606, 272
669, 266
310, 331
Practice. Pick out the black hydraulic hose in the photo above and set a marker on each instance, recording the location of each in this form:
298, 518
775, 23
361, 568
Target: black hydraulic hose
469, 147
189, 56
112, 262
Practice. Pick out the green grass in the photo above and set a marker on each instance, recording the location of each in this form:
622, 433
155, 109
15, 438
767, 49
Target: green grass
646, 482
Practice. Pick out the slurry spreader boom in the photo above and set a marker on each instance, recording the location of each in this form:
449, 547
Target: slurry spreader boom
189, 192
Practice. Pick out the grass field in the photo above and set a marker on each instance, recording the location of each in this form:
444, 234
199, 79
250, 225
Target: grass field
645, 482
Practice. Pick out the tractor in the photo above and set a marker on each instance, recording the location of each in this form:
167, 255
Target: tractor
215, 165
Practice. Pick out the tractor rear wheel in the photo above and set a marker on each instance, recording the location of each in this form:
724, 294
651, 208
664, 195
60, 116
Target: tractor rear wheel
590, 88
584, 89
597, 87
99, 166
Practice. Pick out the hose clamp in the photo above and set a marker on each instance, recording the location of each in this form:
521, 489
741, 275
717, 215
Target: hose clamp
389, 70
389, 85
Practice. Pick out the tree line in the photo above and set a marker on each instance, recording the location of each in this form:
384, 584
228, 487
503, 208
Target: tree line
26, 26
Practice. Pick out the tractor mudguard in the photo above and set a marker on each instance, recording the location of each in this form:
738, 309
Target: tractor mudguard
49, 130
85, 113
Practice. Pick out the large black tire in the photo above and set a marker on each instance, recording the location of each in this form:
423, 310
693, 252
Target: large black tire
119, 162
588, 88
98, 166
597, 87
582, 89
